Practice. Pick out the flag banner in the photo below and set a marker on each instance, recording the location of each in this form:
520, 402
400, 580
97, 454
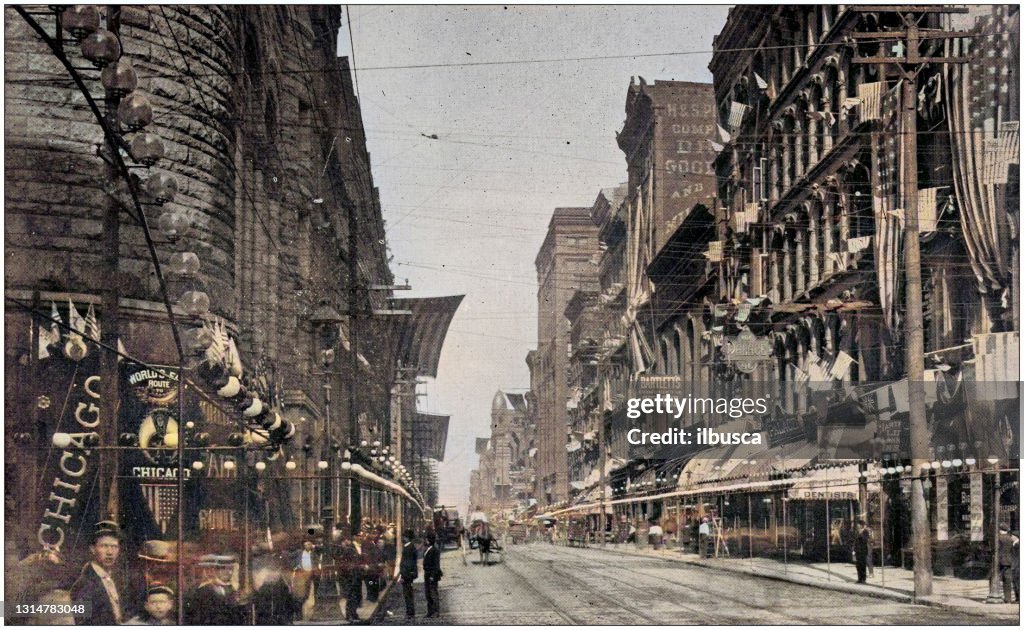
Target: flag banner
928, 210
714, 252
723, 134
736, 113
870, 95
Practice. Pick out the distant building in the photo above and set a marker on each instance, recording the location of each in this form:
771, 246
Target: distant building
501, 479
564, 265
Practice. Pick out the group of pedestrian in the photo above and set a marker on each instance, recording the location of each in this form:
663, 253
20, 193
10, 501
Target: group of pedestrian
282, 582
408, 571
347, 566
109, 599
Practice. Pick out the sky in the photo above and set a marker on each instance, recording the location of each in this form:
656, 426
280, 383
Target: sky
511, 112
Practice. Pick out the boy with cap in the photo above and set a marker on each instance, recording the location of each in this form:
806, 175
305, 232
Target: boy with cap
96, 587
157, 609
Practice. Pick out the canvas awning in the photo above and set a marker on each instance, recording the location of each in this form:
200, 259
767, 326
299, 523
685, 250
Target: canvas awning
422, 333
430, 434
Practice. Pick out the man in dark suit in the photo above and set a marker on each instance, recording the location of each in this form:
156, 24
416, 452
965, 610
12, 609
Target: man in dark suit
432, 574
408, 571
861, 548
97, 587
215, 602
350, 566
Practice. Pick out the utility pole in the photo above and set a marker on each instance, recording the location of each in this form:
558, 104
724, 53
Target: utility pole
909, 62
109, 307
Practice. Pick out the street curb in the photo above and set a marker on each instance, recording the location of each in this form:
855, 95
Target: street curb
870, 591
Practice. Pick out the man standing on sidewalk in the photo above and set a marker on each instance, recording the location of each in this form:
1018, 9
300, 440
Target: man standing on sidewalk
407, 572
861, 547
704, 534
432, 574
1009, 569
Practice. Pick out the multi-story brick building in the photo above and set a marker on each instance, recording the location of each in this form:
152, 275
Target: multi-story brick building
564, 265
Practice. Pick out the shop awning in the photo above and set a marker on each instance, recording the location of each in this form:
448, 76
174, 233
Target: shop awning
422, 333
430, 434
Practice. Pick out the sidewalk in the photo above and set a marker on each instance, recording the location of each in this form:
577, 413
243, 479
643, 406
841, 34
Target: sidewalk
892, 583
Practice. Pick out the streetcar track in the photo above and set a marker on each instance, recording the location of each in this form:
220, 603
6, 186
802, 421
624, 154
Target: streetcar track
704, 613
555, 606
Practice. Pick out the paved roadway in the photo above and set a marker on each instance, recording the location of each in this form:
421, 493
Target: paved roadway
543, 584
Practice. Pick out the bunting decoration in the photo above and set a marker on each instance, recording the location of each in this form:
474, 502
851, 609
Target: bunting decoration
724, 135
888, 224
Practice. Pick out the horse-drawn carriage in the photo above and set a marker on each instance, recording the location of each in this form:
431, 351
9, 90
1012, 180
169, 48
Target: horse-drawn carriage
483, 539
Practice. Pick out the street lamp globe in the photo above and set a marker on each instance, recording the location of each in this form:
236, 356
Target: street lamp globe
162, 187
62, 440
135, 112
119, 79
291, 465
322, 465
229, 464
80, 20
260, 466
146, 148
195, 303
197, 465
102, 48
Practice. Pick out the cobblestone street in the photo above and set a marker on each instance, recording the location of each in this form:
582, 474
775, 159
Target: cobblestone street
542, 584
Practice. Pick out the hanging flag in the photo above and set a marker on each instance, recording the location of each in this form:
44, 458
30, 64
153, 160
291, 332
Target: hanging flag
49, 334
870, 95
761, 83
717, 148
233, 360
851, 102
723, 134
121, 350
736, 113
927, 209
92, 325
841, 366
714, 252
75, 319
739, 222
857, 244
1000, 152
885, 178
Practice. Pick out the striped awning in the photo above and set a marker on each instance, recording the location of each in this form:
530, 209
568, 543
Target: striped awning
430, 434
422, 333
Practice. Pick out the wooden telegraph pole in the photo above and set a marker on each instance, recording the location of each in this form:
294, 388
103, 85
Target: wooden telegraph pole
907, 59
110, 297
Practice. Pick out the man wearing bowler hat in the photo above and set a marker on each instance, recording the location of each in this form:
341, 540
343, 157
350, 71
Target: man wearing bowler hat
98, 587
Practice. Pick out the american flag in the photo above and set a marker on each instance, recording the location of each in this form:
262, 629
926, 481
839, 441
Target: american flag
871, 95
163, 502
736, 113
888, 223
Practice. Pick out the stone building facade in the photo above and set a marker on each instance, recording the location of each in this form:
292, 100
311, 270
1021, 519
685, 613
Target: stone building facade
501, 479
263, 133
